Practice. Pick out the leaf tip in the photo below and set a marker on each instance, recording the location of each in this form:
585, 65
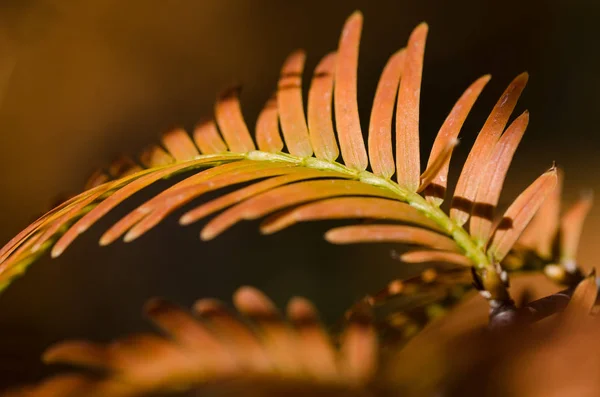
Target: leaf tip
56, 251
355, 17
130, 236
207, 234
185, 220
105, 240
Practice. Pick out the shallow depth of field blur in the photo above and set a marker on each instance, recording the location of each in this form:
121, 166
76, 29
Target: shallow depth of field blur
82, 82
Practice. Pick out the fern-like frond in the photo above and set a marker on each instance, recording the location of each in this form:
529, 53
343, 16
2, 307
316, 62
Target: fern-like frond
306, 182
258, 351
215, 346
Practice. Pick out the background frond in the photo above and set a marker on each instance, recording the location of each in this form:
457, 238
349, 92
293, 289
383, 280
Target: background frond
212, 346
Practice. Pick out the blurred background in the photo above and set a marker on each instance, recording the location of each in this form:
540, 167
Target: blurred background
82, 82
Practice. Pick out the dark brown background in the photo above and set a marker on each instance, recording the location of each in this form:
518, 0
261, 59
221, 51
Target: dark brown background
83, 81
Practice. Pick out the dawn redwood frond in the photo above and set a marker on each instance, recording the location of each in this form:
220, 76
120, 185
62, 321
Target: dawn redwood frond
345, 96
470, 177
518, 215
493, 176
306, 186
268, 138
390, 233
448, 132
347, 208
231, 122
208, 139
380, 127
215, 346
408, 163
179, 144
290, 106
435, 256
571, 226
320, 118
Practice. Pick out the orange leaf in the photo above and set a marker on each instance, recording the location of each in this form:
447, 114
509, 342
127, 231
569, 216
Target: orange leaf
359, 347
408, 163
345, 208
519, 214
571, 226
242, 343
435, 256
319, 354
346, 108
290, 107
231, 122
82, 353
267, 128
278, 339
179, 144
208, 139
320, 118
390, 233
192, 334
380, 126
541, 233
155, 156
470, 177
582, 301
494, 174
449, 132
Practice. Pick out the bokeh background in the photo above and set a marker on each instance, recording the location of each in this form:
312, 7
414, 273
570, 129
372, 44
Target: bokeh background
84, 81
